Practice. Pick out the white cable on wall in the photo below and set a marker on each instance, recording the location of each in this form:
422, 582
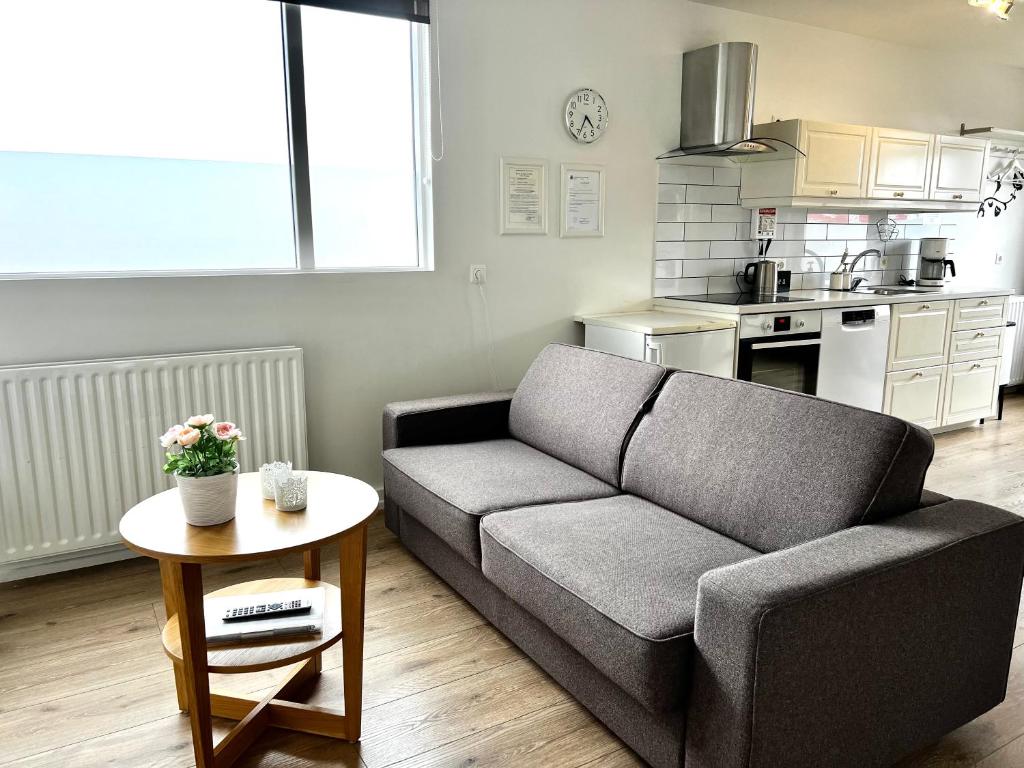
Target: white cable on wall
435, 25
490, 337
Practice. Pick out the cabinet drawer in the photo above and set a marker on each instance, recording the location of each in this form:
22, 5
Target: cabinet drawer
987, 312
976, 345
971, 391
916, 396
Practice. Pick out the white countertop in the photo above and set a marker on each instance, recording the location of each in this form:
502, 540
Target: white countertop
658, 322
820, 299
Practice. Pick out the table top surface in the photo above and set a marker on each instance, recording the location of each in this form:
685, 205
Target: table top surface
336, 503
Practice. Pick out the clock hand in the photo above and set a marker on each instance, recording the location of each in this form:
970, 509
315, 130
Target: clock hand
586, 120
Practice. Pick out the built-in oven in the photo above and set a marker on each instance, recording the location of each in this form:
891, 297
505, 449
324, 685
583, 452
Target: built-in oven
781, 350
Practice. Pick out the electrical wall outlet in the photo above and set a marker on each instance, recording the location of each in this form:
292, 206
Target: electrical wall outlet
477, 274
883, 262
999, 258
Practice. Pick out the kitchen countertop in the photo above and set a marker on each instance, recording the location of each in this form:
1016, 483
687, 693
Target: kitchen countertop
658, 322
821, 299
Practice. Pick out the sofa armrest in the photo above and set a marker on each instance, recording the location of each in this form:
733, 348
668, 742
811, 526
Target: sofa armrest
857, 648
451, 419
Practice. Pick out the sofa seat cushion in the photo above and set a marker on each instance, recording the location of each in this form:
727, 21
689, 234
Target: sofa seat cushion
581, 405
771, 468
616, 578
449, 488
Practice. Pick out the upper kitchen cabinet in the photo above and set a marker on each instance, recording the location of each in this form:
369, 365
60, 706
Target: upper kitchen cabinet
901, 163
856, 166
834, 165
958, 168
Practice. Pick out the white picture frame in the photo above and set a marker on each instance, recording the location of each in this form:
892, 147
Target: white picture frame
582, 200
523, 196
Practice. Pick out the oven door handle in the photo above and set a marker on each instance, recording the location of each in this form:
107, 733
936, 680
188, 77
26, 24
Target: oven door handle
776, 344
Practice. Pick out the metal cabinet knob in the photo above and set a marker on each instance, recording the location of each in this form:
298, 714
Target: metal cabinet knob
958, 197
917, 375
983, 303
898, 194
926, 306
833, 192
979, 334
976, 365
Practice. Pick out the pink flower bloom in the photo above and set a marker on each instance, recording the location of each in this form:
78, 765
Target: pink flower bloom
188, 436
170, 437
200, 421
225, 430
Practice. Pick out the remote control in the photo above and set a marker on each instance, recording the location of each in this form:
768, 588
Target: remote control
268, 610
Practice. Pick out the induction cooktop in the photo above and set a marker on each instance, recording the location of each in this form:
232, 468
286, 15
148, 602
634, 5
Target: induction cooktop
738, 299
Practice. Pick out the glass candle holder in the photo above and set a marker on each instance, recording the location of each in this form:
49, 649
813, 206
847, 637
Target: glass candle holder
290, 492
269, 473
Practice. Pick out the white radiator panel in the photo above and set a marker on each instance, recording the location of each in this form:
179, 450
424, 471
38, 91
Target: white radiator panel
80, 440
1017, 355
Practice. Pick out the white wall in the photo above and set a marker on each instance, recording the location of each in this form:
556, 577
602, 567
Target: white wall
507, 68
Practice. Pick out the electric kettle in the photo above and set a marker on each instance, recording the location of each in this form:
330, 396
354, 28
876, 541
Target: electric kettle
764, 281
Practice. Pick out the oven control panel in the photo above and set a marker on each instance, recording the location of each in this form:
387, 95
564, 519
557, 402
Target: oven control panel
780, 324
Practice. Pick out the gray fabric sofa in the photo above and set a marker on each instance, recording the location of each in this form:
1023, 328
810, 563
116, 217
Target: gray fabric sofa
725, 574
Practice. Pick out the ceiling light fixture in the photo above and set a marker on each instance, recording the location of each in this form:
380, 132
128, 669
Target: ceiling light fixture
1000, 8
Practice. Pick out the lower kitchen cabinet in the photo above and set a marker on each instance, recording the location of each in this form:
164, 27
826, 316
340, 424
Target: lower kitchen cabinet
971, 391
916, 396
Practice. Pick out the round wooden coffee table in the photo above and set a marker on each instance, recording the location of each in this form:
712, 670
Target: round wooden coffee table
337, 512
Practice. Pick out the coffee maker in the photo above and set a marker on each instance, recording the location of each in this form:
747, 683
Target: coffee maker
931, 271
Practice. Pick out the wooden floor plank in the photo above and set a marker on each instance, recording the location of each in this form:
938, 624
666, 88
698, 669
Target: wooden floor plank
442, 687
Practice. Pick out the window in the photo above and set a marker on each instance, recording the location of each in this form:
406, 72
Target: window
153, 135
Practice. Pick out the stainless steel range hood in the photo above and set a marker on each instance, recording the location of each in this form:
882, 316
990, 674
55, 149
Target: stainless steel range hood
717, 107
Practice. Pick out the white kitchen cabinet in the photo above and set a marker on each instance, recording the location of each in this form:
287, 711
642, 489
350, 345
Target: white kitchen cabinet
835, 164
958, 168
986, 312
971, 391
916, 396
710, 351
901, 164
919, 334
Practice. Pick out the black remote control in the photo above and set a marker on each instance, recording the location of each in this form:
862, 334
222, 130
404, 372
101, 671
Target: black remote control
268, 610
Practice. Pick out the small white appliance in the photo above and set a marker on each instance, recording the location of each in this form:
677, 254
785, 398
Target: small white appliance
854, 346
931, 270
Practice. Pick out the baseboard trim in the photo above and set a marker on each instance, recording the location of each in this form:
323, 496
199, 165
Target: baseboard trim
66, 561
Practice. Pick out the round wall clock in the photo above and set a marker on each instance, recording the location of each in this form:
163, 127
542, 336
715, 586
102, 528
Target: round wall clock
586, 115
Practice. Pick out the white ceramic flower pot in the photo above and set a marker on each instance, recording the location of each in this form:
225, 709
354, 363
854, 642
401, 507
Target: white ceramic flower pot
208, 500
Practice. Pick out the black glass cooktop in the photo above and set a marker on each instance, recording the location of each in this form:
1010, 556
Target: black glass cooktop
739, 298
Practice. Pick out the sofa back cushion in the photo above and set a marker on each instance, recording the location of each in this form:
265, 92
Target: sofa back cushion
771, 468
580, 405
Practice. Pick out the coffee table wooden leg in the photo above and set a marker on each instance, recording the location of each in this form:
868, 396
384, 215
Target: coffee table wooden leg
353, 596
311, 570
171, 608
187, 586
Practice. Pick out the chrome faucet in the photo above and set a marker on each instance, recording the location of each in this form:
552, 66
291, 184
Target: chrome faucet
861, 255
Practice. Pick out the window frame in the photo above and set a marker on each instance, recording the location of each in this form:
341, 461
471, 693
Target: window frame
298, 154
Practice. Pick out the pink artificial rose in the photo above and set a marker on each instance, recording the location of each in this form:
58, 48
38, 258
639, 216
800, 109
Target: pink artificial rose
170, 437
225, 430
200, 421
188, 436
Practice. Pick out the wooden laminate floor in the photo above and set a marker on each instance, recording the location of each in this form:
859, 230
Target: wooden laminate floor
84, 682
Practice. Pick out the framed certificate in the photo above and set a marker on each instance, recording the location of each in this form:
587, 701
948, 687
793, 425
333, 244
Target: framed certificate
523, 197
582, 200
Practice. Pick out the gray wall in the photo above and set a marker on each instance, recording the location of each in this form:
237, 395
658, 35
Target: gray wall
507, 68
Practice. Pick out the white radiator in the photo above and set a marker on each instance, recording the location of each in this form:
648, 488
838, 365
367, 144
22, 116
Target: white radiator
78, 441
1017, 354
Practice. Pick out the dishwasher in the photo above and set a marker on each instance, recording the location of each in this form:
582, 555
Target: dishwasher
854, 349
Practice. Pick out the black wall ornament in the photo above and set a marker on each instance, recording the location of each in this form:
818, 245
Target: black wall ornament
1010, 176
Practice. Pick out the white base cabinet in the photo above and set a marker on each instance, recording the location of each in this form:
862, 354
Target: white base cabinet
944, 359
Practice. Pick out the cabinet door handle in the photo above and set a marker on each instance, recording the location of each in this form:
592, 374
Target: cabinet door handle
917, 375
833, 192
975, 366
926, 306
983, 303
898, 194
979, 334
958, 197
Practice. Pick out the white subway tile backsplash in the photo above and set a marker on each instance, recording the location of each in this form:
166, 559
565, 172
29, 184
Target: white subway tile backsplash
804, 231
691, 212
669, 212
847, 232
707, 267
784, 249
668, 269
865, 218
686, 174
828, 217
947, 230
722, 284
730, 213
681, 250
671, 193
813, 280
792, 215
743, 231
824, 247
685, 286
710, 231
737, 249
663, 232
729, 195
727, 177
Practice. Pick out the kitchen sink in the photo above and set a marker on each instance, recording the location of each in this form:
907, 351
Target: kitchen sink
894, 290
